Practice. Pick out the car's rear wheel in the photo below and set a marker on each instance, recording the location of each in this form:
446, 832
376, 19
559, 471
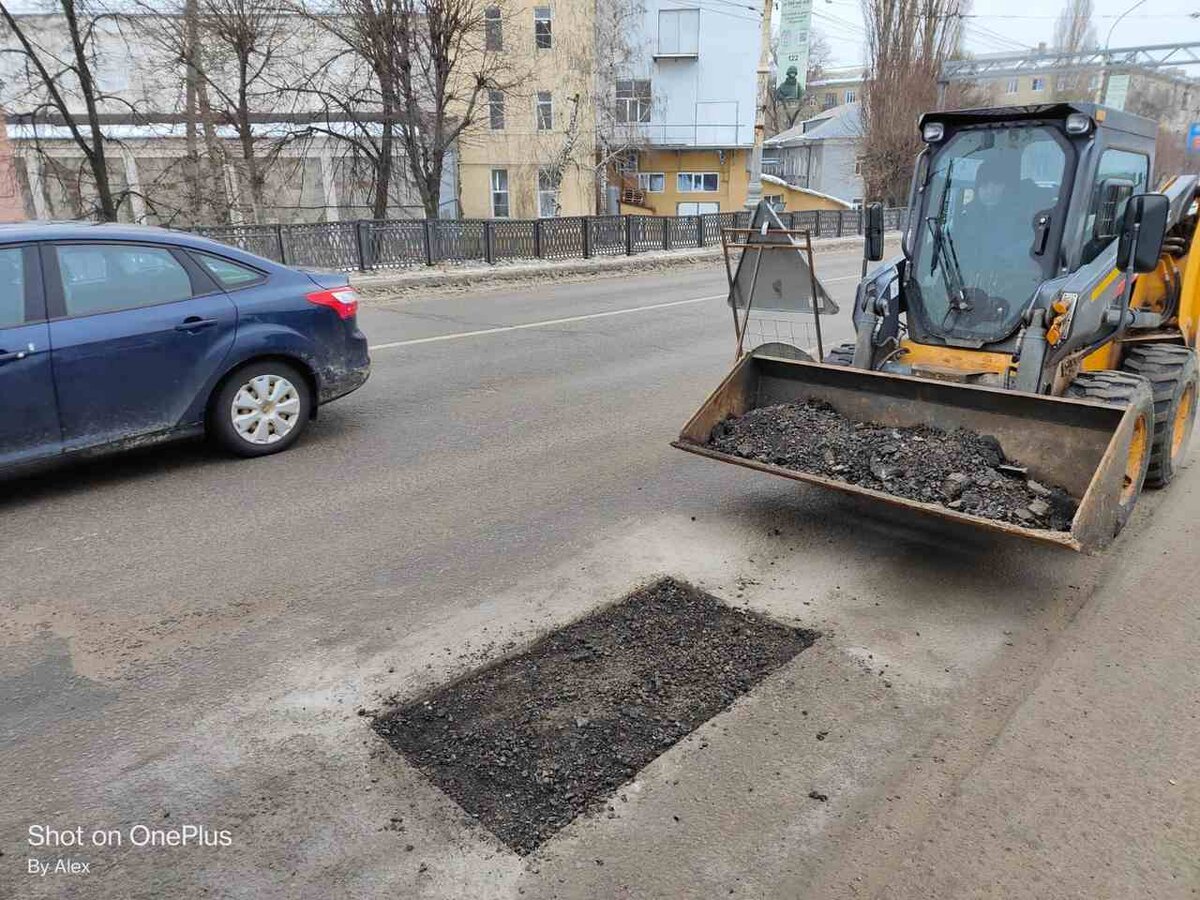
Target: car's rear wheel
260, 408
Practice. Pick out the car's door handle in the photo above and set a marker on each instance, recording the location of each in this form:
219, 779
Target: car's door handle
195, 323
13, 357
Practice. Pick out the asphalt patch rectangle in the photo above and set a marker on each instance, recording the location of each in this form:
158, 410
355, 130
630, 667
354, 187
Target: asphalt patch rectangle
527, 744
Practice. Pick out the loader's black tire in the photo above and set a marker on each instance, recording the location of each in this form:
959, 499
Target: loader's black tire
840, 355
1172, 373
1124, 389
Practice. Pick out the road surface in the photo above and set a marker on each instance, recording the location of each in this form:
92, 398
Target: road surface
188, 640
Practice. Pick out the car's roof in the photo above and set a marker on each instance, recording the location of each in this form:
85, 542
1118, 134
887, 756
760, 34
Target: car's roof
43, 230
52, 230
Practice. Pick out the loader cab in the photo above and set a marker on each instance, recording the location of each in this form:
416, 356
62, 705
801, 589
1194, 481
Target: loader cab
1007, 199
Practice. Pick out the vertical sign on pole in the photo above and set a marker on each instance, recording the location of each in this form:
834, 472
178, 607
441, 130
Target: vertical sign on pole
795, 21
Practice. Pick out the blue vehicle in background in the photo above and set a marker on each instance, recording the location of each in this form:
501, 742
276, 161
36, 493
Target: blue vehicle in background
117, 336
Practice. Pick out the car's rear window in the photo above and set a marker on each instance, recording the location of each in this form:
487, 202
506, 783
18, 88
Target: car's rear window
229, 275
12, 287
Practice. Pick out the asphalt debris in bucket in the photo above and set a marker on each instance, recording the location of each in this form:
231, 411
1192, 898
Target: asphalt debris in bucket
527, 744
961, 469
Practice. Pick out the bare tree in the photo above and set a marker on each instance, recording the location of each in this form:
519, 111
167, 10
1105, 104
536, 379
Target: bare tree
409, 78
1073, 32
907, 42
63, 83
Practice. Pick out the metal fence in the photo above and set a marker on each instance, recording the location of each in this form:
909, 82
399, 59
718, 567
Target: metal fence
394, 244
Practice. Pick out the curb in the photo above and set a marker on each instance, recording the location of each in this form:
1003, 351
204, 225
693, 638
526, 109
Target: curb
471, 275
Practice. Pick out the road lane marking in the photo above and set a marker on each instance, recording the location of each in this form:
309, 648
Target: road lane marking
545, 323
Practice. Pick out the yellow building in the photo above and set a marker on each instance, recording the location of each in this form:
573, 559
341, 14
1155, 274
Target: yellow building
542, 124
691, 182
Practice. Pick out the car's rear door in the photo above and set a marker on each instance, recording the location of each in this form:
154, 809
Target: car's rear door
139, 334
29, 427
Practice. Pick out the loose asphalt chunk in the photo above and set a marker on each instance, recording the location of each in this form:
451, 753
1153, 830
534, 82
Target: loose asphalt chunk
527, 744
959, 469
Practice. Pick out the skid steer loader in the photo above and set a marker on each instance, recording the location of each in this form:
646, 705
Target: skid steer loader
1043, 296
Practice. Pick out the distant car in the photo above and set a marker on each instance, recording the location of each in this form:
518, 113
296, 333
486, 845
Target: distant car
117, 336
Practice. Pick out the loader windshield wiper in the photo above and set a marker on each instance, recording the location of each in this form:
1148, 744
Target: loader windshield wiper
946, 257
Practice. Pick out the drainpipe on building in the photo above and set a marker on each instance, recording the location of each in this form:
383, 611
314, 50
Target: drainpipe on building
754, 188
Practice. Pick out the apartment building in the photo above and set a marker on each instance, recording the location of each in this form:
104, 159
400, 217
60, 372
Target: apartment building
686, 108
532, 153
12, 208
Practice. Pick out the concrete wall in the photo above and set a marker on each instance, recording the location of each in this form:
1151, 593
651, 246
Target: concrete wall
12, 207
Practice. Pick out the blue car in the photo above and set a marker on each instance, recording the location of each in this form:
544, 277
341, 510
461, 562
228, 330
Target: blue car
118, 336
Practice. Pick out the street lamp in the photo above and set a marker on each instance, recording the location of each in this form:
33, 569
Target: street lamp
1102, 91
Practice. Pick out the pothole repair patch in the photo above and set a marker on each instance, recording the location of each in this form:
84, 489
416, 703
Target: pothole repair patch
529, 743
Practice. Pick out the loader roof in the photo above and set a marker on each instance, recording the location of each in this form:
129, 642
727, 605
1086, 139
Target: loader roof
1103, 116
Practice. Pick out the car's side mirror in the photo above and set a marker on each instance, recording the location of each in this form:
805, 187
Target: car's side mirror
1113, 193
873, 232
1142, 232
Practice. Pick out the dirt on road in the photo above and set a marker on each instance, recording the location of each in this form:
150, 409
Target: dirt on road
958, 469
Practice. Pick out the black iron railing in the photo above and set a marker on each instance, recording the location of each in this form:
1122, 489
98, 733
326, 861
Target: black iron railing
367, 245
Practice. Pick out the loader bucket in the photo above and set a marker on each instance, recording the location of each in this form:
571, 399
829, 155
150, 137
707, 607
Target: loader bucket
1079, 445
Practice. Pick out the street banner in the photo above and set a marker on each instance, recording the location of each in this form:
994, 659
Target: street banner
795, 22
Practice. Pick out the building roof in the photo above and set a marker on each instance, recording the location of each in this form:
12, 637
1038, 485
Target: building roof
839, 75
775, 180
840, 122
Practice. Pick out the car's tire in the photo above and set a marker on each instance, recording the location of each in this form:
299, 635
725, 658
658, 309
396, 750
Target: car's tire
1172, 373
840, 355
1125, 389
260, 408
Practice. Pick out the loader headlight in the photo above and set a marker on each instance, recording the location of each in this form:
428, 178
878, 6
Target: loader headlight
1079, 123
933, 132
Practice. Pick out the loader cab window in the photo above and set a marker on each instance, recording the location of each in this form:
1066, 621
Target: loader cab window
981, 247
1116, 167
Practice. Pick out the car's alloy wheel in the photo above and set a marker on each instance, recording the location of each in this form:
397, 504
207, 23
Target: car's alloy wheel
265, 409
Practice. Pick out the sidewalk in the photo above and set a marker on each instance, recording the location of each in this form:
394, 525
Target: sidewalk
1092, 790
469, 275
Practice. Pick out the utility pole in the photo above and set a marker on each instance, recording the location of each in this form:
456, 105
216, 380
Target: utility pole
754, 188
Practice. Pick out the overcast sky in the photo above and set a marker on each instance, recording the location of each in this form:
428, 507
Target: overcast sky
1002, 25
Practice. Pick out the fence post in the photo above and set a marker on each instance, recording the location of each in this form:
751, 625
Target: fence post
587, 237
537, 238
628, 235
699, 231
818, 225
841, 221
488, 253
282, 245
361, 237
427, 234
666, 226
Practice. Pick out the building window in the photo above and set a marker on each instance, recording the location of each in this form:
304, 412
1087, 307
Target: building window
775, 201
652, 182
678, 32
830, 100
541, 27
1038, 84
692, 182
627, 161
545, 111
850, 95
494, 28
499, 193
1094, 83
547, 194
1012, 86
858, 165
633, 100
496, 109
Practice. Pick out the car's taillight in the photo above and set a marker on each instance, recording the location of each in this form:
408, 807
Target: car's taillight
343, 300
